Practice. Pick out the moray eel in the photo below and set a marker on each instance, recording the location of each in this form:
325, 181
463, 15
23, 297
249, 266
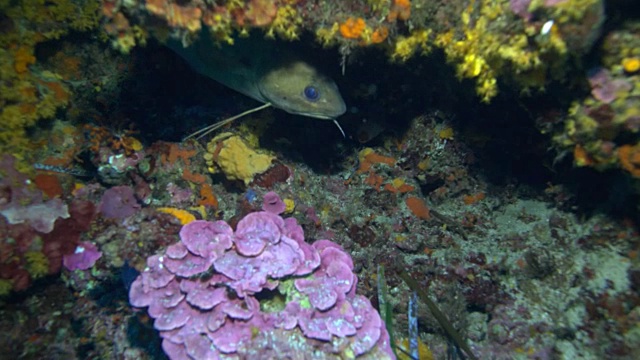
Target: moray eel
260, 69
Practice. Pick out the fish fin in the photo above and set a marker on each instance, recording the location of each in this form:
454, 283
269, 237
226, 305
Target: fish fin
213, 127
238, 66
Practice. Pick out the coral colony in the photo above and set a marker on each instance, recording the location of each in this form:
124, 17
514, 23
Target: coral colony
208, 293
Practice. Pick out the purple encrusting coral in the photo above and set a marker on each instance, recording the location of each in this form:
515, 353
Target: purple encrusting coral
119, 202
207, 293
520, 8
20, 203
83, 258
604, 87
273, 203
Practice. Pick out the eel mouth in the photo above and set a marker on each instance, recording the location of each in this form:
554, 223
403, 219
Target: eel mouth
323, 115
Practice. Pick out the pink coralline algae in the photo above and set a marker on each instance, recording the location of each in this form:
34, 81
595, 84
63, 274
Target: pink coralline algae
119, 202
605, 88
22, 204
273, 204
83, 258
212, 293
521, 8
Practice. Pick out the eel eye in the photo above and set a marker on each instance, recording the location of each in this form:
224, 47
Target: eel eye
311, 93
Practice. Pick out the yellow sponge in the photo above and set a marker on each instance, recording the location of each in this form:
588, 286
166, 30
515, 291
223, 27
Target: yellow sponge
230, 154
183, 216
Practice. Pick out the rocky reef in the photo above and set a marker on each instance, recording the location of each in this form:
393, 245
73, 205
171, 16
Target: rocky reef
489, 153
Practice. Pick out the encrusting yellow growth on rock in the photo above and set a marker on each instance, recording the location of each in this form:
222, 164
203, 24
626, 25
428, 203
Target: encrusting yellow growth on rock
424, 353
231, 155
290, 205
406, 47
5, 287
287, 23
490, 46
37, 264
29, 89
183, 216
